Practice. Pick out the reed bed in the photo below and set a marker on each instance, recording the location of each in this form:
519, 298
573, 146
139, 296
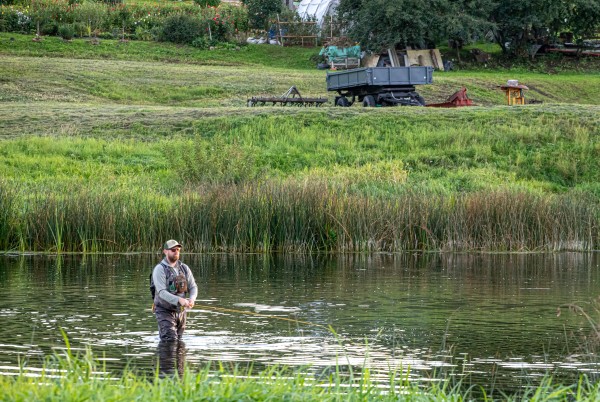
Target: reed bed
69, 377
296, 216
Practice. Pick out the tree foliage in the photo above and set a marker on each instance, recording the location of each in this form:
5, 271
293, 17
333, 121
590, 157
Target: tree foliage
584, 17
465, 20
260, 11
523, 23
381, 24
515, 24
181, 28
208, 3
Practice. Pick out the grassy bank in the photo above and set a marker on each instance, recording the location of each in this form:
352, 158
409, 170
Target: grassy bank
159, 136
300, 181
73, 378
149, 51
135, 72
161, 149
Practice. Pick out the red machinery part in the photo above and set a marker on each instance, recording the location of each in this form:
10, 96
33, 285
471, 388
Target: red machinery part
457, 99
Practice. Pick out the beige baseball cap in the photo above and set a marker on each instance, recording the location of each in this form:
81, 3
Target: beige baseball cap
170, 244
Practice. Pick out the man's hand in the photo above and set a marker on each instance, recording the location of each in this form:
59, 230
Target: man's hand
185, 302
192, 302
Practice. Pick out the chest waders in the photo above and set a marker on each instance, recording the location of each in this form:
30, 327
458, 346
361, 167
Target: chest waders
171, 319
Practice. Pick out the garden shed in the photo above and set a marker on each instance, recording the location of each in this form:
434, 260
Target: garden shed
318, 9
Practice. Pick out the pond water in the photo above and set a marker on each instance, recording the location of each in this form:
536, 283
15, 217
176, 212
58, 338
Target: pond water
493, 319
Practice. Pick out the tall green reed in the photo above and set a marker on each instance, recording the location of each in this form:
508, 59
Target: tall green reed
8, 211
295, 216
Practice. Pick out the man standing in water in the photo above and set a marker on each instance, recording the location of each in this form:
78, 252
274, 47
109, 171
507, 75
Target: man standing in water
172, 280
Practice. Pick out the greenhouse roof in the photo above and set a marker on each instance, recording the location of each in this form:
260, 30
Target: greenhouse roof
317, 9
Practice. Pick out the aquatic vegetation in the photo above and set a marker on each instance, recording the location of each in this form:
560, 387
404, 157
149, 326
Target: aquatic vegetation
299, 216
68, 376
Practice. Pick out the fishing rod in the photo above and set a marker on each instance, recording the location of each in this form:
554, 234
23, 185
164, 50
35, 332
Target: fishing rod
274, 317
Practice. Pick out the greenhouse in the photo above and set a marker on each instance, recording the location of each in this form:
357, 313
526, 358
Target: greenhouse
317, 9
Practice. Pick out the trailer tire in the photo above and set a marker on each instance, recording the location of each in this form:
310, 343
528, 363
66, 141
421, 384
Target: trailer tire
369, 101
343, 102
420, 99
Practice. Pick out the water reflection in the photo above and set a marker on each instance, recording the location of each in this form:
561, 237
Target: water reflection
171, 358
487, 317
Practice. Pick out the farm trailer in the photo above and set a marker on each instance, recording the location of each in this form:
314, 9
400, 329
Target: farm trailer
379, 86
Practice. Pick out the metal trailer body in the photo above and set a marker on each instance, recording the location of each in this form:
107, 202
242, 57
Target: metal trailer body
379, 86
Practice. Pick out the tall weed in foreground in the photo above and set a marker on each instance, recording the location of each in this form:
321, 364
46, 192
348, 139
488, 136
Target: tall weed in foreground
588, 336
67, 376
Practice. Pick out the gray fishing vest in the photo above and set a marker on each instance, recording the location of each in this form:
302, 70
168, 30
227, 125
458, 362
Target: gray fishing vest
172, 285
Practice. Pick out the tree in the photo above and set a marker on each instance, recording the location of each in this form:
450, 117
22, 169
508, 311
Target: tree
381, 24
517, 25
584, 18
523, 23
466, 21
260, 11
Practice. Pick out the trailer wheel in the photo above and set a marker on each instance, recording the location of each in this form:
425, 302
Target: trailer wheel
343, 102
369, 101
420, 99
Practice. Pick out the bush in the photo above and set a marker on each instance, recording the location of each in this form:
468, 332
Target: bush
119, 16
147, 34
14, 20
202, 42
181, 28
106, 35
260, 11
215, 161
49, 28
91, 15
80, 29
208, 3
66, 31
146, 21
224, 22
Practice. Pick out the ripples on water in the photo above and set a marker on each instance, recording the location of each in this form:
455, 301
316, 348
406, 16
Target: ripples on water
491, 319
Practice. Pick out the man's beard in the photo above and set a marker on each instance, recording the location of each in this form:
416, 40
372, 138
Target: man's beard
172, 259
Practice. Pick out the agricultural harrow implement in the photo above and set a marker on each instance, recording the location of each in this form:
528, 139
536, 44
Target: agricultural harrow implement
291, 98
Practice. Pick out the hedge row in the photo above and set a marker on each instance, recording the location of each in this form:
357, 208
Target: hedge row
181, 23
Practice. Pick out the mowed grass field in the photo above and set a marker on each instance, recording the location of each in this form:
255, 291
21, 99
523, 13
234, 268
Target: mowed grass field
159, 124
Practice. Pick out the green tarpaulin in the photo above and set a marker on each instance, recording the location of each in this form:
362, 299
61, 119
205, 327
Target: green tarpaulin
335, 52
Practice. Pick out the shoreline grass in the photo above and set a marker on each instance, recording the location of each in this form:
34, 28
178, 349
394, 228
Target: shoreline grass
300, 217
73, 377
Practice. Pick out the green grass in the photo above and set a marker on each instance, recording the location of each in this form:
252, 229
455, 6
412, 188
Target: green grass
134, 73
545, 149
155, 124
247, 55
70, 377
